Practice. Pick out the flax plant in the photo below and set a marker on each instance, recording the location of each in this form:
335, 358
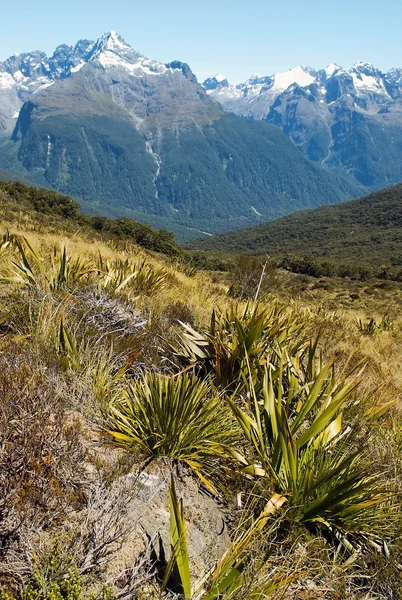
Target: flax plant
34, 271
238, 343
241, 571
140, 277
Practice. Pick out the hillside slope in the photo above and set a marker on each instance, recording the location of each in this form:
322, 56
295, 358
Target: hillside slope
125, 413
367, 231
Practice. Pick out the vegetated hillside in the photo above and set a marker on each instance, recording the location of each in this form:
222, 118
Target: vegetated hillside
151, 424
211, 177
367, 231
137, 138
64, 213
7, 176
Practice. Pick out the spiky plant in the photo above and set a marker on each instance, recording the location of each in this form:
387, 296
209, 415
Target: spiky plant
5, 242
179, 418
139, 277
306, 453
37, 272
238, 344
238, 574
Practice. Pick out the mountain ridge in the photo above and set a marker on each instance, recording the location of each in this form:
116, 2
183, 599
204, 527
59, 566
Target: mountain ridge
363, 232
131, 136
347, 120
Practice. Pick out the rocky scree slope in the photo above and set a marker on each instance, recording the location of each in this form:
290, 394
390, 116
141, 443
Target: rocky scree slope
131, 136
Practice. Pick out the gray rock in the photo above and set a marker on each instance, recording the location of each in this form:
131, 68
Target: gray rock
208, 536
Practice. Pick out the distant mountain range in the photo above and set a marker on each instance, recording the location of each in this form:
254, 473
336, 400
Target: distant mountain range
131, 136
342, 119
363, 232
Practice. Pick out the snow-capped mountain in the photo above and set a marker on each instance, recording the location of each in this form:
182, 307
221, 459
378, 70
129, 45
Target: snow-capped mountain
255, 97
132, 136
344, 118
24, 75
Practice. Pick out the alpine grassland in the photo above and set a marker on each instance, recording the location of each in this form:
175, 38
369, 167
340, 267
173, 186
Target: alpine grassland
170, 432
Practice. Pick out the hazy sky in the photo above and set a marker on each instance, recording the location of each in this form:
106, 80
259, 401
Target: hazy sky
235, 37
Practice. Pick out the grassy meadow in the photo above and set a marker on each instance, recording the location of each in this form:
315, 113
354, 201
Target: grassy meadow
277, 395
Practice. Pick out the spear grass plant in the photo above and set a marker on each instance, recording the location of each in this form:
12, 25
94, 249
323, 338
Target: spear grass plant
308, 456
34, 271
139, 277
5, 243
238, 343
180, 418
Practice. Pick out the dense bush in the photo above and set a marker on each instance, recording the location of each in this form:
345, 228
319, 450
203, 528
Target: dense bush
349, 237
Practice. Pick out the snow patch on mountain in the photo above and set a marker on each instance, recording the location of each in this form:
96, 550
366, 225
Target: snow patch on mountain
331, 69
297, 75
366, 81
362, 86
6, 81
78, 67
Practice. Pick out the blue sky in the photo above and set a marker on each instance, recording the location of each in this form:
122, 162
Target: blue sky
236, 38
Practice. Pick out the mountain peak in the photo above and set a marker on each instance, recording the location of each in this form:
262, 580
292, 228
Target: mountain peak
331, 69
215, 82
113, 41
301, 75
110, 41
365, 68
256, 78
110, 50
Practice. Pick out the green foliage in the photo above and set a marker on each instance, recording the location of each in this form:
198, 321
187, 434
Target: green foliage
176, 417
308, 458
54, 577
69, 588
127, 229
238, 571
42, 200
67, 348
295, 427
216, 173
237, 340
322, 242
65, 210
179, 567
5, 242
371, 326
32, 269
252, 278
141, 278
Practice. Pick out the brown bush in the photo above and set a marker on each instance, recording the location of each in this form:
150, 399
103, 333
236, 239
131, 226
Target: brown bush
41, 456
